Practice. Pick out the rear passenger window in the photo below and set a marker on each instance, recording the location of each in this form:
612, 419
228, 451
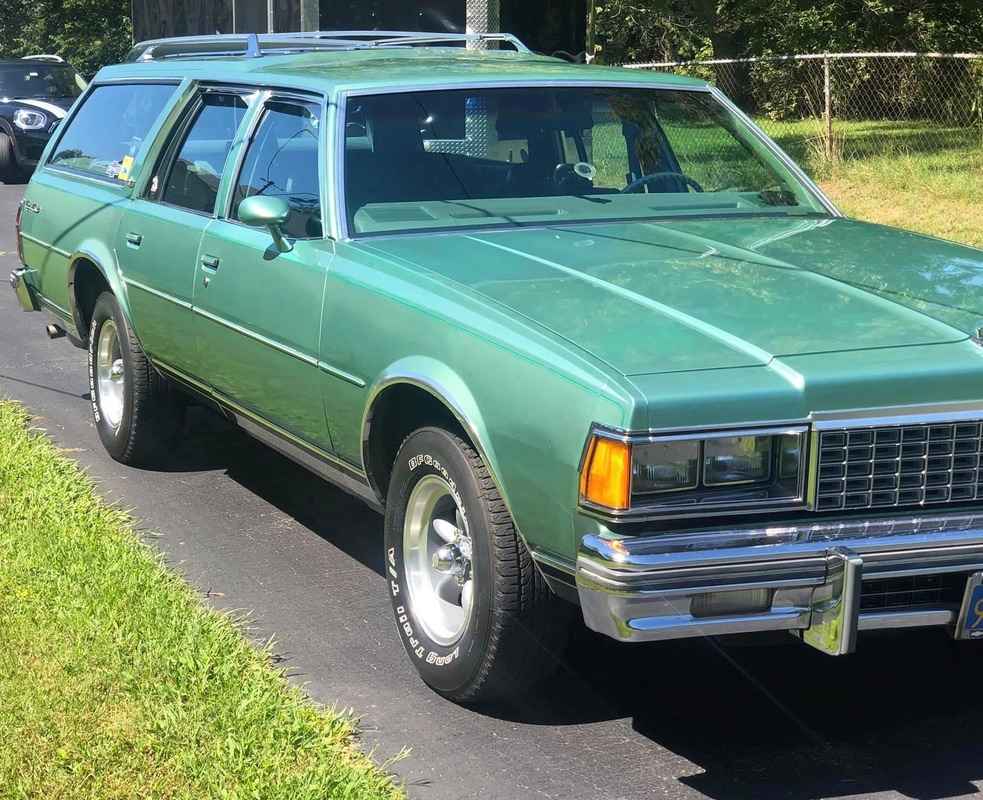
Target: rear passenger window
282, 162
193, 177
106, 132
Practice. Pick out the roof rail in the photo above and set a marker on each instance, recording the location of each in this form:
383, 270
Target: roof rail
44, 57
252, 45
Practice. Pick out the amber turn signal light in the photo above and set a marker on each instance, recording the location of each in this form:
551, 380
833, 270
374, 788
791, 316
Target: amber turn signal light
606, 479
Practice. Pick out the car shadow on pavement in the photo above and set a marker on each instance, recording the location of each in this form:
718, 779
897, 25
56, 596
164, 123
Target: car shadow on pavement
762, 717
211, 442
771, 718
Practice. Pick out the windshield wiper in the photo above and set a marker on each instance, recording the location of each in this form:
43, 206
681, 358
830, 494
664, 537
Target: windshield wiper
777, 197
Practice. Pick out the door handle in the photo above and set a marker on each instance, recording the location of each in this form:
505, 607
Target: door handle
134, 239
210, 262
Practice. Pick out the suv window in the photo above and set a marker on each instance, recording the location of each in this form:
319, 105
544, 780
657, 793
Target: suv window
282, 162
107, 130
194, 175
34, 79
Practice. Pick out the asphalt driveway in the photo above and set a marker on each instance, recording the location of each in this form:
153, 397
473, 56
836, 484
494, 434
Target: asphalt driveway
684, 720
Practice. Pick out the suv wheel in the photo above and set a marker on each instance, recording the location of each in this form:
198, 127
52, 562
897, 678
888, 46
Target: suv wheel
9, 170
134, 409
471, 608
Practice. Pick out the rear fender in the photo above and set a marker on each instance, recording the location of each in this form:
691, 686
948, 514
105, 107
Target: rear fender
104, 260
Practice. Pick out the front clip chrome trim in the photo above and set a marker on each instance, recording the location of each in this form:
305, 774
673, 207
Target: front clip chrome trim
811, 576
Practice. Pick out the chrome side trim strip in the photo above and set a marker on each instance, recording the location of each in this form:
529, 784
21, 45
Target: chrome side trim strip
45, 244
53, 306
340, 373
307, 359
339, 472
156, 292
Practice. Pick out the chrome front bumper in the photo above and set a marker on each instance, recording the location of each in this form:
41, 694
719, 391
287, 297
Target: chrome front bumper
20, 283
807, 579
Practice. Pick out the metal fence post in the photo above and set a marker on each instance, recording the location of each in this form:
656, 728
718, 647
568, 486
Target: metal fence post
828, 108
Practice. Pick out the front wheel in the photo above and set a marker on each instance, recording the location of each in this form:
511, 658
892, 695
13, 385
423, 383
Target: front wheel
471, 609
133, 406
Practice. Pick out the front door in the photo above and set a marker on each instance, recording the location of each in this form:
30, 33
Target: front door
258, 310
159, 235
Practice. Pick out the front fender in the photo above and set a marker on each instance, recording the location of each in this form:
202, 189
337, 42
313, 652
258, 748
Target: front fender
448, 387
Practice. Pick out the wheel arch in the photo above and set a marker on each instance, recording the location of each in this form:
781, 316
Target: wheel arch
87, 271
433, 379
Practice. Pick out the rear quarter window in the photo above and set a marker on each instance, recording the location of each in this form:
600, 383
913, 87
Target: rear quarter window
105, 133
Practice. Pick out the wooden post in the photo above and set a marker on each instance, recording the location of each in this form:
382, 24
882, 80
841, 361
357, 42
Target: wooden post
828, 108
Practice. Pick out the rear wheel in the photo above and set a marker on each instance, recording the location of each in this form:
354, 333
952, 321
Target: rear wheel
134, 408
471, 608
10, 172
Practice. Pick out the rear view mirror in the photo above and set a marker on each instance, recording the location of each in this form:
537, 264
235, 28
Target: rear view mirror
269, 212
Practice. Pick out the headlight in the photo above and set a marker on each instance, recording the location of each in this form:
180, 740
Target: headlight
692, 473
29, 120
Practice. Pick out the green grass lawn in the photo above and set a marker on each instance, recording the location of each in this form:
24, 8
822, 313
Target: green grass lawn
115, 680
915, 175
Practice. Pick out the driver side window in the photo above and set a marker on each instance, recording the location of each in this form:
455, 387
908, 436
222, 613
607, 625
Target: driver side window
282, 161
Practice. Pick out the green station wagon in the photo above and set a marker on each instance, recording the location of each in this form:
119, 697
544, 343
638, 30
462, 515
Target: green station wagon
587, 336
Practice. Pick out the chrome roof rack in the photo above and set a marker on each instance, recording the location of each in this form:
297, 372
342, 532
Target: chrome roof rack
251, 45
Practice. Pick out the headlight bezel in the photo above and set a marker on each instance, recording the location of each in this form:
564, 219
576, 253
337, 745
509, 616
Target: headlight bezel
40, 123
734, 498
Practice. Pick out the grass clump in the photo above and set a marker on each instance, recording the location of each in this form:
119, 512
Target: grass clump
116, 682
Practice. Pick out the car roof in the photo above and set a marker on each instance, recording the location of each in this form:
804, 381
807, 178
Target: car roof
390, 68
32, 61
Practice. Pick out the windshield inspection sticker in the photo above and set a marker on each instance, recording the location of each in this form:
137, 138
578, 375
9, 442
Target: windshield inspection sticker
125, 167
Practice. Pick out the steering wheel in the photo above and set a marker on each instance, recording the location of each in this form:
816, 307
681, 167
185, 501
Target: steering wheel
638, 183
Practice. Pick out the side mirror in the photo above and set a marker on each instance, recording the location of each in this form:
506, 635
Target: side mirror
269, 212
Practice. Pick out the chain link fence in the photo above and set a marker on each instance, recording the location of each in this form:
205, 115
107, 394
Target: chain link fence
826, 109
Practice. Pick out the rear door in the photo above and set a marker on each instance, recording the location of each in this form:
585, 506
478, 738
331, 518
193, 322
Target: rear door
158, 238
76, 198
258, 310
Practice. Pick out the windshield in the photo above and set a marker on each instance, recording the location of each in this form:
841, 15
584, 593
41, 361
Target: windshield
36, 80
539, 155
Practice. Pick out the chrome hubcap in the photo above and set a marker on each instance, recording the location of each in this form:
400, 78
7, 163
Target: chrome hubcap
437, 559
110, 375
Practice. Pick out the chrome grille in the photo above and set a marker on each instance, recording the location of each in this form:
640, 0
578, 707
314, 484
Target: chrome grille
913, 591
905, 465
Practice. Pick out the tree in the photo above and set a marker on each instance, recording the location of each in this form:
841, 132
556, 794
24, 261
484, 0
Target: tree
88, 33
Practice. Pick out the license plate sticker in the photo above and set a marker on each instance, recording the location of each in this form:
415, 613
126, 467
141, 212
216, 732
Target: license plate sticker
973, 622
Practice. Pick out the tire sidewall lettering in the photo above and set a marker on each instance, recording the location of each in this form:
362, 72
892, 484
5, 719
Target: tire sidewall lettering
424, 650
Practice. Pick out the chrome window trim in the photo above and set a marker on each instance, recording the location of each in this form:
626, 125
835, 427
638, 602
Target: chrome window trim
176, 137
777, 151
52, 146
241, 146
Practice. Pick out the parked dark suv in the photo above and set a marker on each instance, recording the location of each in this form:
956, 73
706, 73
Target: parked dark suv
35, 94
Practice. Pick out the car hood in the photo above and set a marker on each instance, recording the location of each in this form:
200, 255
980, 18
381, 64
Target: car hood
708, 294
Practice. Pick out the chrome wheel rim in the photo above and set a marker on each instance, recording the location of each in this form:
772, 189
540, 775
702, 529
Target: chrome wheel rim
437, 560
110, 374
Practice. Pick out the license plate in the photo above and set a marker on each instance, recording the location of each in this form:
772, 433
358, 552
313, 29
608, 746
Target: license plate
973, 613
